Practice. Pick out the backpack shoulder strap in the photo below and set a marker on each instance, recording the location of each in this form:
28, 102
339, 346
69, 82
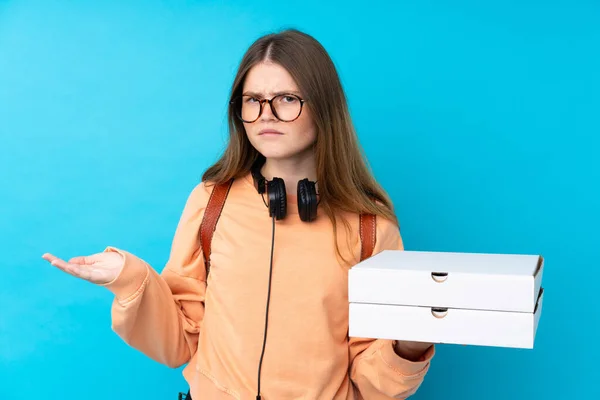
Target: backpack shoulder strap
368, 235
215, 204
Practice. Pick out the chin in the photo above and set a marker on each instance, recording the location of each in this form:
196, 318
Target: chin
275, 151
280, 151
275, 154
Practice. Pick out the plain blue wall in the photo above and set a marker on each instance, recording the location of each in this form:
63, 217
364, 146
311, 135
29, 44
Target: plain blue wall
480, 120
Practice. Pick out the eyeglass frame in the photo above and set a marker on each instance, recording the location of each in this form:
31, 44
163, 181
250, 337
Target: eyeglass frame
261, 102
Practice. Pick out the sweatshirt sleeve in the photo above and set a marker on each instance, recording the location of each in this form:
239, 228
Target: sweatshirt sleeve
161, 314
376, 371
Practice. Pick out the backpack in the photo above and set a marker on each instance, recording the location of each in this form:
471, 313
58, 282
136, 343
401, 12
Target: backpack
216, 201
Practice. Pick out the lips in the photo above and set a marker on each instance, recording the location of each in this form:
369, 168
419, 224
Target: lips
269, 132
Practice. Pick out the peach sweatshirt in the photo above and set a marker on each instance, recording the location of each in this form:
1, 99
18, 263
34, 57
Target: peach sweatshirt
216, 325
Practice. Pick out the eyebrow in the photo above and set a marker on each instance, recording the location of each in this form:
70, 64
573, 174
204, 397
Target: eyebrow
255, 94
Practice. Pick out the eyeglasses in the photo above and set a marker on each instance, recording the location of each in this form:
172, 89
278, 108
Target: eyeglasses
285, 107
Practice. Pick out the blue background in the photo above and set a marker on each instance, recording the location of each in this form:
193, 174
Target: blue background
481, 120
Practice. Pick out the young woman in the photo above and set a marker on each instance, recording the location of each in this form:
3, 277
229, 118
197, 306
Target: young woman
270, 316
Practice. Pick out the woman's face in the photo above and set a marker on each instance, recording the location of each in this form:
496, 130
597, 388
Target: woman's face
271, 137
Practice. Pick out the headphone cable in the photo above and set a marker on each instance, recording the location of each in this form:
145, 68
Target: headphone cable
258, 397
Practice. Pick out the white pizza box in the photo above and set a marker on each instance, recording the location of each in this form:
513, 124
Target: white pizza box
445, 297
500, 282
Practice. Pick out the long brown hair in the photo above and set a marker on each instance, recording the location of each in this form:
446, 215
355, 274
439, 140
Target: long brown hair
345, 180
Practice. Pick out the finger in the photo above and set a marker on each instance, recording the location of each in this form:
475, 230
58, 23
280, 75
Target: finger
88, 260
73, 269
82, 260
57, 262
48, 257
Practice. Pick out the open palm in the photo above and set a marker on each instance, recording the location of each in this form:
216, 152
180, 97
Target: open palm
97, 268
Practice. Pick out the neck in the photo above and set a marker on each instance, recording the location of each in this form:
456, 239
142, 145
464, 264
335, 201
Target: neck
291, 171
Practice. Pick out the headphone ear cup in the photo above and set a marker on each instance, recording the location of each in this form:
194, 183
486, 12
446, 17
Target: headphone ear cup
277, 198
307, 200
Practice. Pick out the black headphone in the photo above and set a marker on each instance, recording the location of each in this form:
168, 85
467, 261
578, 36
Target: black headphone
307, 209
275, 189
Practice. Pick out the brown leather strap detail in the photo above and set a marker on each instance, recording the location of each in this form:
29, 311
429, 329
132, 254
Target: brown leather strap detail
368, 235
210, 218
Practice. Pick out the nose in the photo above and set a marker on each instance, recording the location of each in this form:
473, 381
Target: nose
267, 112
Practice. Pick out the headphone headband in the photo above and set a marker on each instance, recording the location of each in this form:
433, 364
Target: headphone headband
260, 182
277, 194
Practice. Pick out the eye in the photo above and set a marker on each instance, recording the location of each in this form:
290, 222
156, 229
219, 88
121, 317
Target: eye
289, 99
250, 100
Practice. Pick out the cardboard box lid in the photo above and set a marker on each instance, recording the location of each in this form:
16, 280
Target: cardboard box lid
497, 282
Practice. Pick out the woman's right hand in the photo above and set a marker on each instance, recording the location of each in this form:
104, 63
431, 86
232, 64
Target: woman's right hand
100, 268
